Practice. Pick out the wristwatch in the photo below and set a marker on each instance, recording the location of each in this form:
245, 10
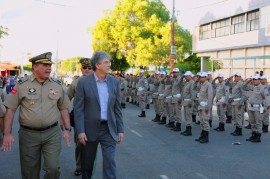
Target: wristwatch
68, 129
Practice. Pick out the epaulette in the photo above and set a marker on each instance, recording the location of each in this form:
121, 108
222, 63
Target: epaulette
57, 81
21, 81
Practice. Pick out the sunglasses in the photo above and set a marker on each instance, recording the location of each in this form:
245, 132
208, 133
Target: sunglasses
89, 68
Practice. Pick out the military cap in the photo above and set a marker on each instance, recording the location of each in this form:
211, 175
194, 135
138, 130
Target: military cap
86, 62
45, 58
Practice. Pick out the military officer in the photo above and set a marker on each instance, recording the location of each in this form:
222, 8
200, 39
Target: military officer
168, 100
42, 104
188, 96
196, 90
124, 90
161, 89
222, 96
205, 103
266, 114
258, 101
142, 88
86, 69
176, 99
154, 95
237, 100
210, 80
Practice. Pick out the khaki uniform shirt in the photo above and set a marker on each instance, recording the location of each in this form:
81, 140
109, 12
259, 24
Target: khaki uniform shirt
188, 95
239, 95
40, 104
222, 92
205, 95
168, 89
161, 88
142, 85
155, 89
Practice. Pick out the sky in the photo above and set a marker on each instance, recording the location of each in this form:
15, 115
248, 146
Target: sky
60, 26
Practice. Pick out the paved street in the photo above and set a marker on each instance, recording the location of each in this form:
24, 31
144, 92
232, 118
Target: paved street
151, 151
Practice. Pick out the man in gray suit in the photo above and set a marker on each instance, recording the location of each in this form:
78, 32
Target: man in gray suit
98, 116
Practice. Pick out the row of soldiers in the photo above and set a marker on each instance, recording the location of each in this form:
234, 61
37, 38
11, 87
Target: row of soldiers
194, 95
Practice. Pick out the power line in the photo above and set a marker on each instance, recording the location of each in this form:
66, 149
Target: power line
52, 3
207, 5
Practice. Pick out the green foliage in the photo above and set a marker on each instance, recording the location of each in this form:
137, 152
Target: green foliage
27, 67
119, 64
192, 63
69, 64
140, 32
3, 31
217, 64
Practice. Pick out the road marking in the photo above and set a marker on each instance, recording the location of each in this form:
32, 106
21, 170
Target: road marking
164, 177
135, 132
201, 175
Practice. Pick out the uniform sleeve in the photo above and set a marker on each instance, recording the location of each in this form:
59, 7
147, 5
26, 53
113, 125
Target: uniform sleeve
63, 102
71, 91
117, 110
13, 99
243, 95
210, 95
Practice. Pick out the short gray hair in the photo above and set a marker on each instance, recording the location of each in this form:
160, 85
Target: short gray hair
97, 57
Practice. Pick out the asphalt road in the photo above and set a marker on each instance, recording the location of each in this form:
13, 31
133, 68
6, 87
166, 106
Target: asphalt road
152, 151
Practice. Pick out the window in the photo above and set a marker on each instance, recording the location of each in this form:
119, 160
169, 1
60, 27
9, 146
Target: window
221, 28
205, 32
253, 20
238, 24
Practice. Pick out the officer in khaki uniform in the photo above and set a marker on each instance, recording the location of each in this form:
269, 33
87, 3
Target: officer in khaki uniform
205, 103
187, 101
196, 90
266, 114
167, 101
142, 91
222, 96
237, 100
258, 102
86, 69
124, 90
154, 96
43, 104
161, 99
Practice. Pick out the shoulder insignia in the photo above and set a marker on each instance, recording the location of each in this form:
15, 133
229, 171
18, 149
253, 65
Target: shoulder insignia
21, 81
57, 81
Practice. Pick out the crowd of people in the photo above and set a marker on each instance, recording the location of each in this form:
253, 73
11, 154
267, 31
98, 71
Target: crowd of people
181, 100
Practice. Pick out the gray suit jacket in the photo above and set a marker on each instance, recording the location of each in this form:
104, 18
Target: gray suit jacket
87, 108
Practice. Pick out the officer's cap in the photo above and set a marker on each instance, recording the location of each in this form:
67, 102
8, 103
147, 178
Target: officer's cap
188, 73
141, 71
209, 73
176, 70
45, 58
163, 73
203, 74
157, 73
198, 74
256, 77
220, 75
263, 77
237, 74
85, 62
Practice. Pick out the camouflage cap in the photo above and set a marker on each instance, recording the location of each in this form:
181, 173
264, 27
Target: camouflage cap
45, 58
85, 62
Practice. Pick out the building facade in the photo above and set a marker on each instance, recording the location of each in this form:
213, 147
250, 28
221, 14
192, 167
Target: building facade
238, 35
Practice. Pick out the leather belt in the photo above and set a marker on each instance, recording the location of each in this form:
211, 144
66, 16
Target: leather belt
39, 129
103, 122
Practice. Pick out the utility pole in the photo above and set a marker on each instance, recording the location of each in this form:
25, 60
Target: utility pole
173, 47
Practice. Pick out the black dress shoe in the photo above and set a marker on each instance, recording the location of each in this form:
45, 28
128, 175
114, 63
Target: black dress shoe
77, 172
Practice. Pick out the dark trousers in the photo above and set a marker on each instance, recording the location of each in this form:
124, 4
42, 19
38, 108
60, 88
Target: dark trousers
108, 153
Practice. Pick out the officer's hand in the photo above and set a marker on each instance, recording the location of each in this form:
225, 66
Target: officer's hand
8, 140
238, 106
120, 138
224, 105
206, 111
67, 137
82, 138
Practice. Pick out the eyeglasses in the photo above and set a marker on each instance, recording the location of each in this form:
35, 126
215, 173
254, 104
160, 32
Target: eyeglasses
89, 68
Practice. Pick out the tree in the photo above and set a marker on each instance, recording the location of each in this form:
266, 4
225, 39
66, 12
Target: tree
3, 31
69, 64
119, 64
192, 63
140, 31
27, 67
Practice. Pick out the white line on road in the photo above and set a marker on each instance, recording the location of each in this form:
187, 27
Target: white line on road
164, 177
201, 175
135, 132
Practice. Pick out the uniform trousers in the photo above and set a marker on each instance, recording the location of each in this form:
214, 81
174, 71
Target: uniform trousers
204, 119
161, 107
142, 101
77, 151
155, 104
188, 115
176, 112
255, 119
195, 107
33, 145
221, 112
266, 117
168, 111
238, 115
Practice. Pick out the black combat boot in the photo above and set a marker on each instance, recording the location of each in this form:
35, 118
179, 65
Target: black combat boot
170, 124
147, 106
220, 127
205, 138
201, 136
188, 131
257, 138
248, 126
237, 132
182, 133
127, 100
177, 127
265, 128
229, 119
157, 118
210, 122
193, 118
253, 136
198, 122
163, 120
142, 114
123, 105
